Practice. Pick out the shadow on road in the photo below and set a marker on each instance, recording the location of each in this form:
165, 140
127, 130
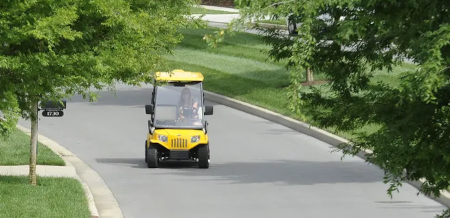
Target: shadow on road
140, 163
283, 172
132, 97
134, 162
289, 172
123, 97
404, 205
280, 131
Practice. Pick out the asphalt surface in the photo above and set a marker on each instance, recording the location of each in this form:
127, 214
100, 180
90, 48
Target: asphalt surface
258, 168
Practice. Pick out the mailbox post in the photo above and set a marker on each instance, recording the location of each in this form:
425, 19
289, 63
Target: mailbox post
51, 109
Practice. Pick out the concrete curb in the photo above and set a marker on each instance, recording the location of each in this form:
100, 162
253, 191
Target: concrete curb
306, 129
269, 25
263, 25
101, 200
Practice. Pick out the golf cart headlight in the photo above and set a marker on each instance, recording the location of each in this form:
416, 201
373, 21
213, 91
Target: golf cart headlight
195, 139
162, 138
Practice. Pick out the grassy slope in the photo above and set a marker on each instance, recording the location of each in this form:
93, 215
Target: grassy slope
52, 198
239, 68
15, 150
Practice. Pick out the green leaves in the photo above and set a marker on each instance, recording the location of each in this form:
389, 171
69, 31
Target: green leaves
349, 41
54, 49
56, 27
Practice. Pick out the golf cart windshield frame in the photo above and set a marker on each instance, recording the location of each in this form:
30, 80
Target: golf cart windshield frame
167, 97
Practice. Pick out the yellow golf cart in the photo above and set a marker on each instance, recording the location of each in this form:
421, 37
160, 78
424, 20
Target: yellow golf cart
177, 128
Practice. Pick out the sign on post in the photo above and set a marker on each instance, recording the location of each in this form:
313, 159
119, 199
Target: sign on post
53, 108
52, 113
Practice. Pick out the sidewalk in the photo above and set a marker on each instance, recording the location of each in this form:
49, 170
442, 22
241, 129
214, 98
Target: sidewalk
41, 170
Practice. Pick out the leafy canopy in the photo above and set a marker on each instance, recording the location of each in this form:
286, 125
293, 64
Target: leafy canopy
347, 40
53, 49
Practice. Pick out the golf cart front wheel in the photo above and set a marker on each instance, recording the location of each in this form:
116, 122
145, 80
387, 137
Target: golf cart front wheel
152, 157
203, 156
145, 151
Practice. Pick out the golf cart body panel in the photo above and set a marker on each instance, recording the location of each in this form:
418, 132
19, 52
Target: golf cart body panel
178, 139
179, 75
177, 128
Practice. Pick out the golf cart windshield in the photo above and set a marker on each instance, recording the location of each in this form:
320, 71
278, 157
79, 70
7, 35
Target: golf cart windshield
179, 105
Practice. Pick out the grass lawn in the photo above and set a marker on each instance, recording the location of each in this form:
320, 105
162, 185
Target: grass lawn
200, 10
15, 150
239, 69
51, 198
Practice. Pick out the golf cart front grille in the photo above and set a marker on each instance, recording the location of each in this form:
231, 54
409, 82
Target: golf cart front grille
179, 143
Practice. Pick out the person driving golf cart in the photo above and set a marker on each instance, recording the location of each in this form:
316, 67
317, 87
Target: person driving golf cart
177, 129
188, 106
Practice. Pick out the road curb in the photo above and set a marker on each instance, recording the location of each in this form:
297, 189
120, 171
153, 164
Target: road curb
269, 25
101, 200
263, 25
306, 129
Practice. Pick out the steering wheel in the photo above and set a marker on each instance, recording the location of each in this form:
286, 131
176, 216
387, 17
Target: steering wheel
189, 111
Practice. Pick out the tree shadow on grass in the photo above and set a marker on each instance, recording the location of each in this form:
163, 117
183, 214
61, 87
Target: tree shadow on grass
227, 84
13, 180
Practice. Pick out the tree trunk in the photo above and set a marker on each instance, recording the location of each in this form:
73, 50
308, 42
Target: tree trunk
33, 141
309, 75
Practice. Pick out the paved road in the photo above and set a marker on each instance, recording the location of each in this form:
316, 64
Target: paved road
258, 169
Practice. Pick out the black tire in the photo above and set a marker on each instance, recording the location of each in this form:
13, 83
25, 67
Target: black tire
145, 151
152, 157
203, 156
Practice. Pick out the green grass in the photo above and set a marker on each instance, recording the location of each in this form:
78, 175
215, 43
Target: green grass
15, 150
199, 10
239, 68
51, 198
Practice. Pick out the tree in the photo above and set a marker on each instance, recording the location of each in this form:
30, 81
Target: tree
54, 49
347, 40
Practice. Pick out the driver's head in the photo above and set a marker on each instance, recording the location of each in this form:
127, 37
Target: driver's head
185, 94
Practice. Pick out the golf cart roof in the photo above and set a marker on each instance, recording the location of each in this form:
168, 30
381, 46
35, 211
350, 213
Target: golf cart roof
179, 75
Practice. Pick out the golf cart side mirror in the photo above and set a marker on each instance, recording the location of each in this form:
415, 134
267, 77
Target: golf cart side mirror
205, 126
149, 109
150, 126
150, 123
209, 110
